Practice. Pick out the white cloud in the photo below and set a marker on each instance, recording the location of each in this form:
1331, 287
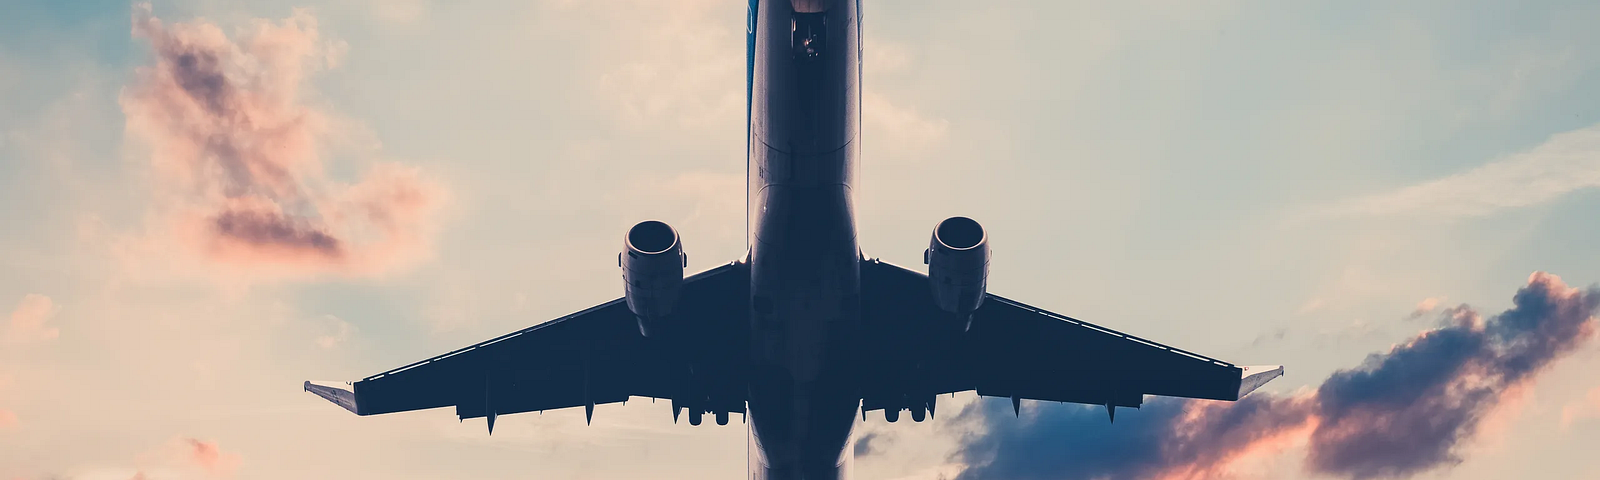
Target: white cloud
710, 205
936, 472
901, 126
1565, 163
1426, 306
885, 56
338, 332
682, 67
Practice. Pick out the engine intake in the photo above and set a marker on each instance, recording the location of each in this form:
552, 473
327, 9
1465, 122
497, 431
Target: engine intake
652, 262
958, 266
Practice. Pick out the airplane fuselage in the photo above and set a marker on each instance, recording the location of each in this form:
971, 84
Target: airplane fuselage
805, 303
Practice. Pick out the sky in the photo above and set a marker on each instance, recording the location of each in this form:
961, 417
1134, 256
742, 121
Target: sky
206, 203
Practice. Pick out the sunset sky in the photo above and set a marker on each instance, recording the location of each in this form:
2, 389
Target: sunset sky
1332, 186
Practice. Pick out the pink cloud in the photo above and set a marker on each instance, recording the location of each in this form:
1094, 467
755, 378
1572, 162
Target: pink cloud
207, 456
239, 154
1585, 409
7, 417
1426, 306
188, 458
29, 321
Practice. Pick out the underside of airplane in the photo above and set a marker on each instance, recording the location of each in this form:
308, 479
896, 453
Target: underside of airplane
804, 333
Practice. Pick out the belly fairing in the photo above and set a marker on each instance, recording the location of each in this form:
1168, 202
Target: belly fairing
804, 260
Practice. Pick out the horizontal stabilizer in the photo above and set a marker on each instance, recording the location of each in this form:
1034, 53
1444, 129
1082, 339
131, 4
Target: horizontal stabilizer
337, 392
1253, 377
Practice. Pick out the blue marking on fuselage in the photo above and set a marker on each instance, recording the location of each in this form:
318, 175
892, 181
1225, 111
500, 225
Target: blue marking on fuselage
749, 96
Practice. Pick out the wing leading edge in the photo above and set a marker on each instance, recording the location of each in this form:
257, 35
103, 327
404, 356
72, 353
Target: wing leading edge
592, 357
1018, 351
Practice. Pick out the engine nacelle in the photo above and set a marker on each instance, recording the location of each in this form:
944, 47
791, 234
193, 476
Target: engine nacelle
652, 262
958, 266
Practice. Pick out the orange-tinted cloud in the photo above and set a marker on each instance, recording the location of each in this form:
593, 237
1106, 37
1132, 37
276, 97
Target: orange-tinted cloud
213, 460
1587, 408
187, 458
1400, 413
30, 320
1426, 306
7, 417
238, 154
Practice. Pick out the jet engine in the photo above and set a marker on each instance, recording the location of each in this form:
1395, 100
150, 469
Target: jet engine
652, 262
958, 266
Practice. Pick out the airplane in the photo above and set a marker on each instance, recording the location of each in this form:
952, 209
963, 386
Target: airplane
804, 332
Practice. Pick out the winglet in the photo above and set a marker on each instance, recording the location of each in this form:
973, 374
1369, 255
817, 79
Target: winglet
1253, 377
337, 392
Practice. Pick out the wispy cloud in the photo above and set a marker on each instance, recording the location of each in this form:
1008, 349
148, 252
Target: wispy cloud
238, 154
1426, 306
902, 126
178, 459
30, 320
7, 417
1587, 408
210, 458
338, 331
1565, 163
870, 443
1400, 413
891, 118
693, 81
29, 324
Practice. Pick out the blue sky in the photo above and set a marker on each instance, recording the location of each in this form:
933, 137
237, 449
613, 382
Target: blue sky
1259, 181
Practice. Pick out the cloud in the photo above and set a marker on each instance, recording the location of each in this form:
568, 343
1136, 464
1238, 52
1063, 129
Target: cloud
213, 460
1401, 413
177, 459
711, 204
937, 472
691, 82
1426, 306
869, 444
1567, 162
238, 154
1588, 408
904, 127
399, 12
8, 418
1310, 306
29, 320
889, 116
340, 331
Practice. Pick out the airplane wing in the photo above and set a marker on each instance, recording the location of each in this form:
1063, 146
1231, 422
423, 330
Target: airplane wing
1014, 350
588, 358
